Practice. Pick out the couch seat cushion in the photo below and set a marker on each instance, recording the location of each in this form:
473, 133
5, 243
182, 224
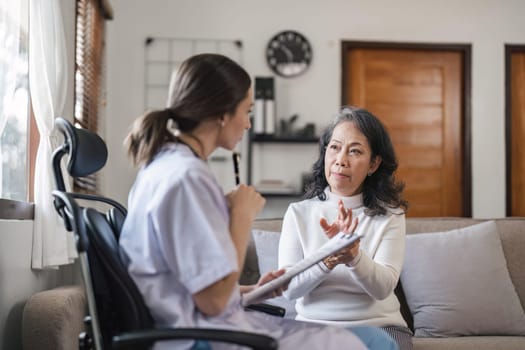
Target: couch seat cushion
470, 343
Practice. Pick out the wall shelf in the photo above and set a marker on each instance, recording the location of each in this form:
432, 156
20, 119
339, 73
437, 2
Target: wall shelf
282, 139
272, 139
281, 195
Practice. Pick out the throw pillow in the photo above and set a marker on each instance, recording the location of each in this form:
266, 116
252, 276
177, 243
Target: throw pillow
457, 283
267, 248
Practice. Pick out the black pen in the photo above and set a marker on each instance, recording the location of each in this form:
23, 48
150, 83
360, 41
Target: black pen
235, 156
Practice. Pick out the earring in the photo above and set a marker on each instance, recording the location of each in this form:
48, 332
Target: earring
173, 127
369, 174
222, 123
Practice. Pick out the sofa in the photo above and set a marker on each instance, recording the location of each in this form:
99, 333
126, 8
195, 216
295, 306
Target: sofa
452, 251
52, 319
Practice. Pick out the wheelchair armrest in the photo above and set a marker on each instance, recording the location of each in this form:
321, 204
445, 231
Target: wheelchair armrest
92, 197
147, 337
268, 309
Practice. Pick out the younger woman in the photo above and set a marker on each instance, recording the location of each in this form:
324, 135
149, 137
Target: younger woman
185, 239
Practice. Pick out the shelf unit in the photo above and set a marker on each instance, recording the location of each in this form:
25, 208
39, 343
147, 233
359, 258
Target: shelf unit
262, 139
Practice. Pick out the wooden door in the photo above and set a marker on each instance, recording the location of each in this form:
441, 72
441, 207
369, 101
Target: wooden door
515, 120
419, 96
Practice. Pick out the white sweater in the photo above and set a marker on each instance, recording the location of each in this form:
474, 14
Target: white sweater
362, 294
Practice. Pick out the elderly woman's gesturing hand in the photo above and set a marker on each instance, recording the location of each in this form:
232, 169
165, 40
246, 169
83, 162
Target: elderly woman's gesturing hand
343, 223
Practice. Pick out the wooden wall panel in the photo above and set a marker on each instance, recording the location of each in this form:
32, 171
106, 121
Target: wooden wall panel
517, 134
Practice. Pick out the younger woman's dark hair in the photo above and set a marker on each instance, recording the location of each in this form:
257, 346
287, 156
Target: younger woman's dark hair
380, 190
205, 86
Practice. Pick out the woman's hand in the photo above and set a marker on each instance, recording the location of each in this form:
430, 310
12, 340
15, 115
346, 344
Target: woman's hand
344, 223
344, 256
267, 277
245, 201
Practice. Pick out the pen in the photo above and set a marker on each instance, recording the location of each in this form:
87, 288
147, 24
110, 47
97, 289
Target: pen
235, 157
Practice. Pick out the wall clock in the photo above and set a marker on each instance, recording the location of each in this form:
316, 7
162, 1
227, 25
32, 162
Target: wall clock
288, 53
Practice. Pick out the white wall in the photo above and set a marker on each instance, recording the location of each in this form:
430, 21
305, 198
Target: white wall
18, 282
485, 24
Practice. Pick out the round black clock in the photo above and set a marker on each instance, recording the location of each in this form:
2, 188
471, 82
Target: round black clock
288, 53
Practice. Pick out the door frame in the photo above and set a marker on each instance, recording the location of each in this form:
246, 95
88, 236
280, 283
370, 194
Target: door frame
465, 50
509, 50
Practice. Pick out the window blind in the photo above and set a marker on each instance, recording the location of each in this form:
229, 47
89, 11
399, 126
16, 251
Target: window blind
89, 64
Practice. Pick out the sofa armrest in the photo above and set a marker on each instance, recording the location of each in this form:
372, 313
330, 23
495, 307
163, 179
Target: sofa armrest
53, 319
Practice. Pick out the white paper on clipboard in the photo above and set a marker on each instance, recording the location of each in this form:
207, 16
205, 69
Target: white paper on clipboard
336, 243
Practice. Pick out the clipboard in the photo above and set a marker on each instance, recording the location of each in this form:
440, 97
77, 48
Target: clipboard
336, 243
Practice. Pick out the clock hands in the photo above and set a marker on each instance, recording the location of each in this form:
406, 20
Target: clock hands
288, 52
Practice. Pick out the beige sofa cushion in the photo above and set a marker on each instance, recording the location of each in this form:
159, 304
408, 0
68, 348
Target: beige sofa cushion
512, 234
457, 283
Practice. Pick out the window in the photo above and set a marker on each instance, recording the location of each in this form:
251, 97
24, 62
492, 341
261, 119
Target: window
14, 99
18, 132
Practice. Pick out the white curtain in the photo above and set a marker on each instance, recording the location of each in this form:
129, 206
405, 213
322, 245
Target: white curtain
52, 244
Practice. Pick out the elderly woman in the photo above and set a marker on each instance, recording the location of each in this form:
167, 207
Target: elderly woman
353, 188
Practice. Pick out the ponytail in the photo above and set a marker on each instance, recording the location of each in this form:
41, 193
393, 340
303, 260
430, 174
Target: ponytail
147, 136
206, 87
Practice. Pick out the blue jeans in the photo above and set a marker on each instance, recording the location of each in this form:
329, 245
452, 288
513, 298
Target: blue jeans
375, 338
201, 345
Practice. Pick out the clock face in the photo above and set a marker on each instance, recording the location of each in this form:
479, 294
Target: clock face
288, 53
